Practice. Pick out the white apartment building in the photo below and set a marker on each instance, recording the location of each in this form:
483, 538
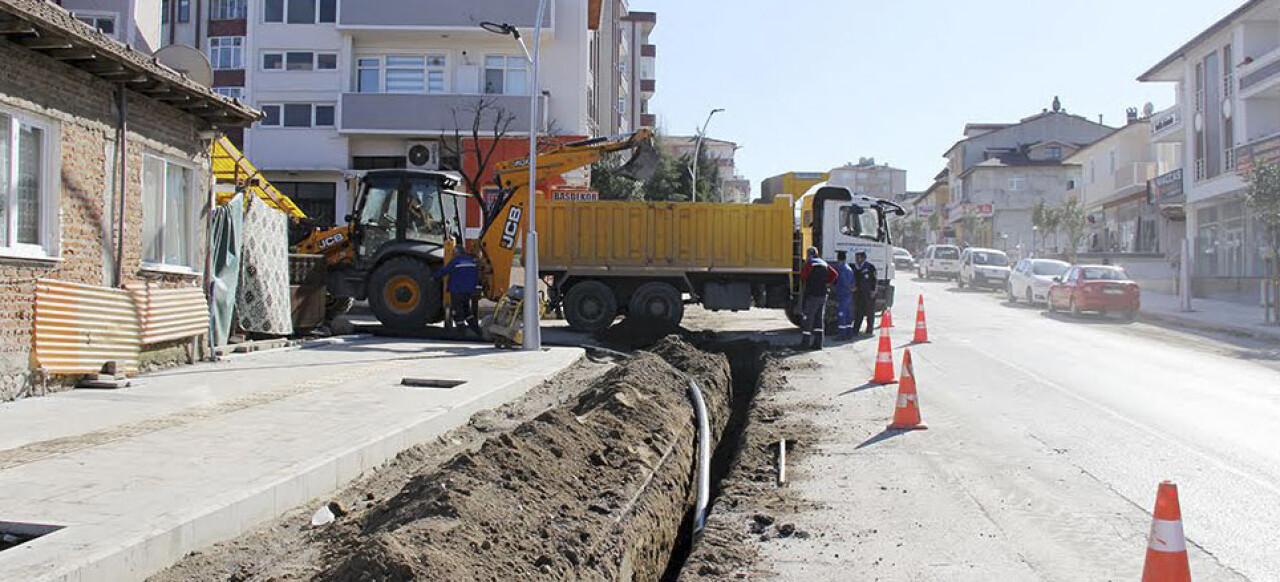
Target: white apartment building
1227, 84
733, 187
865, 177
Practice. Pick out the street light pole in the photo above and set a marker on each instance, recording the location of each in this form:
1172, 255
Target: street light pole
697, 146
532, 325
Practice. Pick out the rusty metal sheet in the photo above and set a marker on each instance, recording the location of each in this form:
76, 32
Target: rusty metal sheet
78, 328
170, 314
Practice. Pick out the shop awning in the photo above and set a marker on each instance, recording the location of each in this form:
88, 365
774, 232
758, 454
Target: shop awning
230, 166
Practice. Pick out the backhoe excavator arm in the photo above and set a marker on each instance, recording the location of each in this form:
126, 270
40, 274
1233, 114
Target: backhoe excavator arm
505, 223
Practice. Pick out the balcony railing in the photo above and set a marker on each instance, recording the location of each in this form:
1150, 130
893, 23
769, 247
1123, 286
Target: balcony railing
1133, 175
438, 14
647, 85
1167, 123
1259, 70
1259, 150
409, 113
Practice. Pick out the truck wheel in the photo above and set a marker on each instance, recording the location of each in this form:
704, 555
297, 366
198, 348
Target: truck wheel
657, 300
590, 306
402, 294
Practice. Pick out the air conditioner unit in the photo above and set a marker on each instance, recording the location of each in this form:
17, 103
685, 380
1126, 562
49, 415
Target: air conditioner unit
423, 155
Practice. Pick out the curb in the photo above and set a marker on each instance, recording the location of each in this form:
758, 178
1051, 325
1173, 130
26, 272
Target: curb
1191, 323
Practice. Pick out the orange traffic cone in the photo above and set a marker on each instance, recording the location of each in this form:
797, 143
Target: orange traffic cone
907, 414
886, 317
884, 360
922, 332
1166, 546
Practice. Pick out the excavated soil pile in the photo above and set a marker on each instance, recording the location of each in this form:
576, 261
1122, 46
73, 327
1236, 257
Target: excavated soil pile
592, 491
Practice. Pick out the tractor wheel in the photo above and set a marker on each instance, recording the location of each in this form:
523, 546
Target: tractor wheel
590, 306
657, 301
402, 294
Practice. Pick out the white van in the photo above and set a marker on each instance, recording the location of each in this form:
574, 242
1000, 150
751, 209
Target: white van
983, 268
939, 261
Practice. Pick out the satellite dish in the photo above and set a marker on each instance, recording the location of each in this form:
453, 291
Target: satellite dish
187, 60
1149, 109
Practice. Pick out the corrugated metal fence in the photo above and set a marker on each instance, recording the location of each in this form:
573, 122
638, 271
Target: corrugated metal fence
78, 328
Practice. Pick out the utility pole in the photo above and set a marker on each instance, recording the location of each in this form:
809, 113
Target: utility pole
697, 147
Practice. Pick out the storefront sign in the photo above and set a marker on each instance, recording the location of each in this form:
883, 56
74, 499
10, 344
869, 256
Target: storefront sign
924, 211
980, 210
575, 195
1164, 187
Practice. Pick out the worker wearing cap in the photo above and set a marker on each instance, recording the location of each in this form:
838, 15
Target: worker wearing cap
816, 278
844, 295
864, 287
464, 277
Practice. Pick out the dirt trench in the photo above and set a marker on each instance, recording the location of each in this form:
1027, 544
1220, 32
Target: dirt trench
600, 486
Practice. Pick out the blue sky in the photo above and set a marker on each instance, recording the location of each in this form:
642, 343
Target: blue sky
812, 84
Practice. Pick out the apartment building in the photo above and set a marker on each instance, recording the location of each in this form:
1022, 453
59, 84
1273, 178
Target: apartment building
733, 187
1227, 115
931, 207
137, 24
999, 171
637, 27
865, 177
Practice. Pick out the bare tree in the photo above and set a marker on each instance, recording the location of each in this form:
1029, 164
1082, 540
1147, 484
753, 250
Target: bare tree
483, 119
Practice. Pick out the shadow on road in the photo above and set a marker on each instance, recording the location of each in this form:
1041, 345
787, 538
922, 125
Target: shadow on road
970, 290
1085, 318
856, 389
884, 435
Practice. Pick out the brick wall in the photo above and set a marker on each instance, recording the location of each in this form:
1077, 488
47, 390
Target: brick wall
83, 107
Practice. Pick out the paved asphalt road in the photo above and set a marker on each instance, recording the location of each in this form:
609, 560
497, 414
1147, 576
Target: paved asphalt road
1048, 438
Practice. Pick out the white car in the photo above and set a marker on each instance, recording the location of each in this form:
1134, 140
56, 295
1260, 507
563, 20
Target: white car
939, 261
1031, 278
983, 268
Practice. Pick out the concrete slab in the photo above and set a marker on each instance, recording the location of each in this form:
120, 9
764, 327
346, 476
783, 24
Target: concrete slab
141, 476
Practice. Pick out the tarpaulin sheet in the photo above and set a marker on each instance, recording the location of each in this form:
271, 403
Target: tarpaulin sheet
228, 242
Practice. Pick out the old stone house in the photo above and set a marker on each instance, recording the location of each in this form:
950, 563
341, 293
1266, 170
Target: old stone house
75, 213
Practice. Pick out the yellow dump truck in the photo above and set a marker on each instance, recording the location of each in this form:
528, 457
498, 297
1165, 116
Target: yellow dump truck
626, 258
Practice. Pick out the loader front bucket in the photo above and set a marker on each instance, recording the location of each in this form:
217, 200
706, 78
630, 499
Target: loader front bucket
643, 162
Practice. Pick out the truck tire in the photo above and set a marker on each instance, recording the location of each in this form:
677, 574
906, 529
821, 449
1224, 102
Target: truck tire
657, 300
590, 306
402, 294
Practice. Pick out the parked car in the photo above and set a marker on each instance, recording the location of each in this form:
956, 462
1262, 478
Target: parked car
902, 258
983, 268
1031, 278
1101, 288
939, 261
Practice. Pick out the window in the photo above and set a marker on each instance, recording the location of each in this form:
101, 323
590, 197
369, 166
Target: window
1053, 152
298, 115
170, 210
104, 23
28, 188
403, 74
300, 11
236, 93
227, 9
184, 10
504, 75
1017, 183
226, 52
165, 6
299, 61
378, 162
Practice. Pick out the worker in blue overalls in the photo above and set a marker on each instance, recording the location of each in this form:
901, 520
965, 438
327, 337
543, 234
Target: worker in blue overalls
845, 282
464, 277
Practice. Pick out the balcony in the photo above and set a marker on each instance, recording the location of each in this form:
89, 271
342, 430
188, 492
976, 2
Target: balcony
648, 50
428, 114
647, 86
1166, 126
1261, 76
436, 15
1265, 149
648, 120
1132, 178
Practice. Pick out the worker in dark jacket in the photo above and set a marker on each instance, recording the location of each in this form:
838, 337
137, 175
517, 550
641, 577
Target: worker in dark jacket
464, 276
816, 277
844, 295
864, 290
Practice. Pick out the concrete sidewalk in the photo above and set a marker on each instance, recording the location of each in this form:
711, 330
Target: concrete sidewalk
1209, 315
136, 478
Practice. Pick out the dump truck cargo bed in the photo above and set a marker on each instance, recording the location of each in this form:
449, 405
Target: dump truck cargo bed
631, 237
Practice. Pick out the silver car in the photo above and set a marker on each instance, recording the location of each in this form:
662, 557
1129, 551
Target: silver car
1031, 278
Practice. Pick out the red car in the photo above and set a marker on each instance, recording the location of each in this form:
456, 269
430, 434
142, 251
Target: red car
1100, 288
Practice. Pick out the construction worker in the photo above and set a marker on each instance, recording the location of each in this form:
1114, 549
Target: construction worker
864, 288
816, 277
464, 277
844, 295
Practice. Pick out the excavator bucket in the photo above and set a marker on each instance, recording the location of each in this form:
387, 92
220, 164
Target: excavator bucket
643, 162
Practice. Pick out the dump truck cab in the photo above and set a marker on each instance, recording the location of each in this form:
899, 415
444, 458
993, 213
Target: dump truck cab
397, 232
834, 219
